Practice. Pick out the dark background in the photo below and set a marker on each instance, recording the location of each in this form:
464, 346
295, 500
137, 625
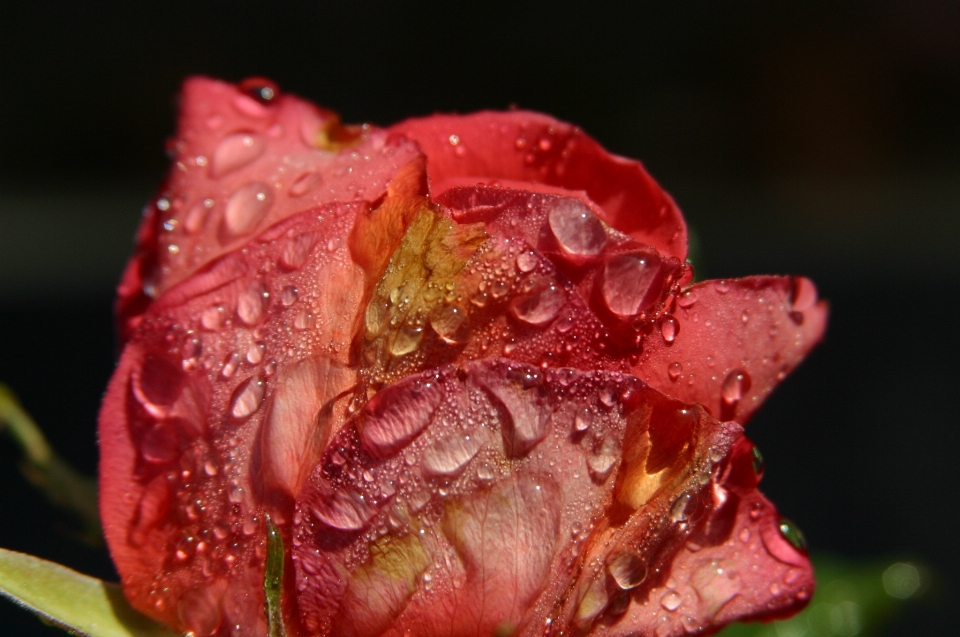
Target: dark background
815, 138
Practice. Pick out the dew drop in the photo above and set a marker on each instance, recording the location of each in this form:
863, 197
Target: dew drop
485, 472
627, 570
395, 416
448, 322
289, 295
230, 365
407, 340
582, 420
344, 510
236, 151
539, 307
297, 250
674, 370
671, 600
255, 353
251, 305
578, 230
156, 385
159, 443
734, 386
527, 261
211, 319
632, 283
246, 207
305, 183
744, 535
448, 456
687, 299
303, 320
683, 507
792, 534
669, 328
247, 398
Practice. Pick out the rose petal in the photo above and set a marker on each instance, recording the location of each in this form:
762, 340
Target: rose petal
733, 342
534, 150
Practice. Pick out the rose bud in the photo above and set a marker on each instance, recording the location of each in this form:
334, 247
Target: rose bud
449, 377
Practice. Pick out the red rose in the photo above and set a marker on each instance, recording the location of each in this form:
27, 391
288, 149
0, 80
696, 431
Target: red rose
459, 364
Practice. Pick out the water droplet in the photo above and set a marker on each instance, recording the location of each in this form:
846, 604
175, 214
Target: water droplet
297, 250
448, 322
627, 570
671, 600
683, 507
157, 385
407, 340
246, 207
289, 295
744, 535
448, 456
485, 472
539, 307
305, 183
583, 419
792, 534
687, 299
734, 386
230, 365
247, 398
674, 370
602, 462
577, 228
159, 443
716, 583
397, 415
236, 151
251, 305
303, 320
211, 319
344, 510
255, 353
632, 282
527, 261
669, 328
723, 286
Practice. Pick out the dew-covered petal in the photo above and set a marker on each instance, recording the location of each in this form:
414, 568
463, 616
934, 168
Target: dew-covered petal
235, 173
736, 340
529, 150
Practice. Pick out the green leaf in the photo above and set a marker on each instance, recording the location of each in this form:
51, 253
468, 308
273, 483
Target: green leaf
78, 603
852, 598
62, 484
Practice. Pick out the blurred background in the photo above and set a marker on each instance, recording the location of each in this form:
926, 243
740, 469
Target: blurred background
814, 138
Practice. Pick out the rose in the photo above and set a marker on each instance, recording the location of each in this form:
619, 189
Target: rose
452, 375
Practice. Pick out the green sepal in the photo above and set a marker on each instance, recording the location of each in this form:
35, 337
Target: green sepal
273, 580
78, 603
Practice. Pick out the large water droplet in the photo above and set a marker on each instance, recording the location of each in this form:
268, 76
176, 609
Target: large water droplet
406, 340
527, 261
289, 295
716, 583
525, 415
671, 600
159, 443
397, 415
539, 307
632, 282
251, 305
683, 507
669, 328
578, 230
236, 151
734, 386
448, 456
448, 322
297, 250
157, 384
792, 534
627, 569
246, 207
582, 420
344, 510
247, 398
